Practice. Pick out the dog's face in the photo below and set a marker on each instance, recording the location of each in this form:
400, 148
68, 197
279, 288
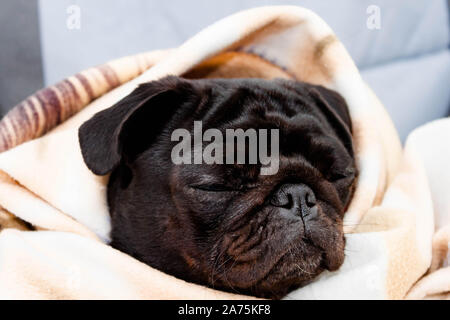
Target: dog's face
227, 225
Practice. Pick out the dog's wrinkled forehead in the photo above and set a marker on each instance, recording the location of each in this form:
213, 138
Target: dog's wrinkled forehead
152, 111
313, 122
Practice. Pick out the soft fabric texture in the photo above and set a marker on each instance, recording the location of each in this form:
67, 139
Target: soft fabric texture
45, 182
432, 141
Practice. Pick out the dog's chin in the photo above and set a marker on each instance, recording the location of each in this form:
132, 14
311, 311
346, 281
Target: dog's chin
289, 274
297, 267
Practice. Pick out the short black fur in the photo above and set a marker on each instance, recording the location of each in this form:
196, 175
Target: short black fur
227, 226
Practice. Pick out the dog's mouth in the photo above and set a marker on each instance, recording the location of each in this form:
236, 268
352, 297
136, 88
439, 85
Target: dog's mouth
293, 267
291, 272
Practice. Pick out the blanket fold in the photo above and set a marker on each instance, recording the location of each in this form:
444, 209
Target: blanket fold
45, 183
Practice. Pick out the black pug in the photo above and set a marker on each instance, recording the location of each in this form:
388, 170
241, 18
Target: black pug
227, 226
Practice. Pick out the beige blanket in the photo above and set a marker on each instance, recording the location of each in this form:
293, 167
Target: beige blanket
54, 212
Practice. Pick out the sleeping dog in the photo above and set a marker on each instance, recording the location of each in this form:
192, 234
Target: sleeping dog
227, 226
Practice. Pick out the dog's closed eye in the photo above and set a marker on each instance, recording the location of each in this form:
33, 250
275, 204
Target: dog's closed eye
213, 187
339, 175
217, 187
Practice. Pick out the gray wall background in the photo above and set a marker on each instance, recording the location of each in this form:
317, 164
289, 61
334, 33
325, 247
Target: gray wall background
110, 29
406, 61
20, 53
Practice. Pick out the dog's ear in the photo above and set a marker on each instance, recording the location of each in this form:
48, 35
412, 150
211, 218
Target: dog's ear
334, 107
131, 125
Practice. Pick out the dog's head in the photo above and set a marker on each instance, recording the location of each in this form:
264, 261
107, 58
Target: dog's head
227, 225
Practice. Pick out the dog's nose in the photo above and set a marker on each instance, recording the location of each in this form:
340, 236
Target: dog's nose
299, 199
